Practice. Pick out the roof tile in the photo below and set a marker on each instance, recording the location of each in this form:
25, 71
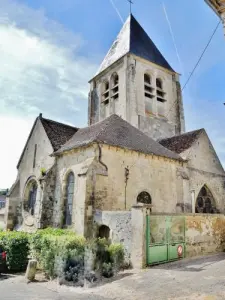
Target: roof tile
115, 131
180, 143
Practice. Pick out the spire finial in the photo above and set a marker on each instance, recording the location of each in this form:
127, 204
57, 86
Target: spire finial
131, 2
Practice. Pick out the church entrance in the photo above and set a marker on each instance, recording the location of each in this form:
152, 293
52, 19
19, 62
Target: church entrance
165, 238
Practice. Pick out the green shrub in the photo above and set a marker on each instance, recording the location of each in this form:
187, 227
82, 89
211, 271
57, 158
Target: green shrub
107, 270
16, 245
54, 247
116, 253
108, 257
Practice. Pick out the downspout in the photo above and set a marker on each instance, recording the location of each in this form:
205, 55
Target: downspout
100, 157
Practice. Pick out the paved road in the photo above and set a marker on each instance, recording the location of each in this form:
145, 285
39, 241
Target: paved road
195, 279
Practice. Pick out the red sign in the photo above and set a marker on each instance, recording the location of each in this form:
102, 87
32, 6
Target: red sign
180, 250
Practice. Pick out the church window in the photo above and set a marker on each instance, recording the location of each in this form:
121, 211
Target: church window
144, 198
30, 196
69, 199
35, 152
115, 86
105, 93
160, 97
205, 202
148, 92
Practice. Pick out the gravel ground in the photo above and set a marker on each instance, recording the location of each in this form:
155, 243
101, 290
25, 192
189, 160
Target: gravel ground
192, 279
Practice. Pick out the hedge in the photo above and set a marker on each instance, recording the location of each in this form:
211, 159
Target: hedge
16, 244
61, 253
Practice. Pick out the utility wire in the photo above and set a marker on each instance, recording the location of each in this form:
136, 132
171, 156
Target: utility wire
173, 36
196, 65
206, 47
117, 11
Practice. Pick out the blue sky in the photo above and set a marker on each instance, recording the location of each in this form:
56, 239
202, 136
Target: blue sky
50, 49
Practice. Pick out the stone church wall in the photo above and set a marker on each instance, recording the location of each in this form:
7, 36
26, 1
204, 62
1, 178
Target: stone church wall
120, 227
77, 161
43, 159
154, 126
206, 169
156, 175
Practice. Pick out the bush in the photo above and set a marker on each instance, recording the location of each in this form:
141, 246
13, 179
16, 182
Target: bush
53, 248
108, 258
16, 245
61, 253
116, 253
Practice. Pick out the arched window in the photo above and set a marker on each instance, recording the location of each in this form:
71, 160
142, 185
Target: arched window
205, 202
159, 83
30, 196
160, 93
69, 199
105, 92
115, 86
148, 90
144, 198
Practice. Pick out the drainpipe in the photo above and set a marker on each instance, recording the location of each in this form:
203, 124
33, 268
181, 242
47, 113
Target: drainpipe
100, 157
126, 180
193, 201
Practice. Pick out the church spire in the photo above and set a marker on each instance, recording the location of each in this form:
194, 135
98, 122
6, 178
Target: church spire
133, 39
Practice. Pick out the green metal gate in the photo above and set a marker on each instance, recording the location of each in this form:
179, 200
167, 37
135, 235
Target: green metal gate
165, 238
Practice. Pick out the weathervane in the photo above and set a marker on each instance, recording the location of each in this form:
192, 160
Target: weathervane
131, 2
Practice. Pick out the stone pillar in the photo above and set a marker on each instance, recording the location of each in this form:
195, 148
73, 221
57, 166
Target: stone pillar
138, 241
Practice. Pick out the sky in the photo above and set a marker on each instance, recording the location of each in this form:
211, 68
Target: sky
50, 49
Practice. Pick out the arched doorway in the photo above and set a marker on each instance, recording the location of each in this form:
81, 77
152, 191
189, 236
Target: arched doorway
30, 196
104, 232
205, 202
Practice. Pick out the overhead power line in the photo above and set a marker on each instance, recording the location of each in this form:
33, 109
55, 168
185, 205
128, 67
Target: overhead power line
196, 65
172, 35
117, 11
200, 58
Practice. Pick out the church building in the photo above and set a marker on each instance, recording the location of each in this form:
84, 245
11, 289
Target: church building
134, 150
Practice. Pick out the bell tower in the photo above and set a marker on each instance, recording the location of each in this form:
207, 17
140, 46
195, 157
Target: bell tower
218, 6
136, 82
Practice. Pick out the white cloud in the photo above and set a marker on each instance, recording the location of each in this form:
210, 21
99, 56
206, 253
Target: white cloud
41, 71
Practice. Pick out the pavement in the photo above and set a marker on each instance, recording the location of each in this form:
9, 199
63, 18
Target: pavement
190, 279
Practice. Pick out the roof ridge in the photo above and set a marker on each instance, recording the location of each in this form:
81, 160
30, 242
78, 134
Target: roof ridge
59, 123
182, 134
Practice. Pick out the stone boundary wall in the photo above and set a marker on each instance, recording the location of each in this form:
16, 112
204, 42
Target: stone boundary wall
119, 223
204, 234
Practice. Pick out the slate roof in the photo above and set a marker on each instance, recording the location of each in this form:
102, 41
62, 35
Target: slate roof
133, 39
58, 133
115, 131
180, 143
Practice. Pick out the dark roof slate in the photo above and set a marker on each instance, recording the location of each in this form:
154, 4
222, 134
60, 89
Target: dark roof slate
133, 39
115, 131
180, 143
58, 133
